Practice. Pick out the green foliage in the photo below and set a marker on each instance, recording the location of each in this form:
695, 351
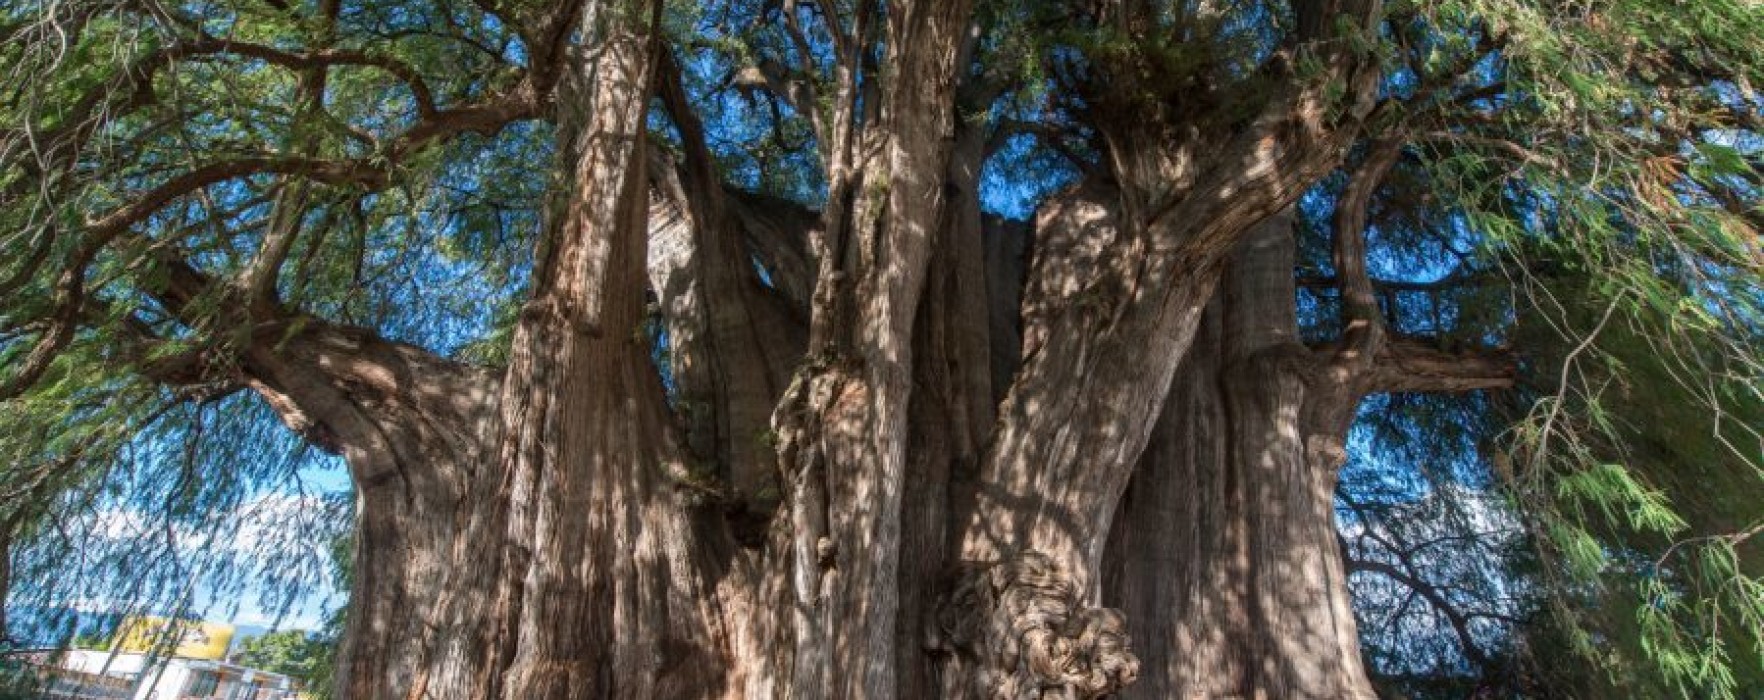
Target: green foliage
1661, 567
1584, 179
116, 484
18, 681
306, 657
1612, 174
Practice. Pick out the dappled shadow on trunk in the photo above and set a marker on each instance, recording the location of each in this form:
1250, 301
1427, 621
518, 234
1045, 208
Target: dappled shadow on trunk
1248, 597
1017, 629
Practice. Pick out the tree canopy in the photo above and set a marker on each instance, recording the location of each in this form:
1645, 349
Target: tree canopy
1553, 206
303, 656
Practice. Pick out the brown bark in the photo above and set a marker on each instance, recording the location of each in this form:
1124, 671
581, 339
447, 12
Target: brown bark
606, 582
1178, 553
545, 533
1110, 311
843, 424
604, 593
1304, 643
412, 429
527, 537
732, 342
1122, 273
1111, 308
951, 407
1252, 599
1121, 276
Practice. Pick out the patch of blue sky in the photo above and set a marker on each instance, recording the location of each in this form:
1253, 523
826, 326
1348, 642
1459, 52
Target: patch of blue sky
1407, 251
1020, 175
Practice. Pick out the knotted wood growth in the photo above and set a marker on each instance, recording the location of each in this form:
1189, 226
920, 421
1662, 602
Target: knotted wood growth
1018, 630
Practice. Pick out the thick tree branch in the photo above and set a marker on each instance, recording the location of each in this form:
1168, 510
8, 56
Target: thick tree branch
29, 263
793, 90
806, 103
58, 148
334, 172
525, 100
325, 58
370, 174
1362, 322
69, 296
1405, 365
288, 215
1512, 149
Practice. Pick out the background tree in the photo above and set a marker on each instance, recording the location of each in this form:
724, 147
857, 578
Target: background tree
680, 350
303, 656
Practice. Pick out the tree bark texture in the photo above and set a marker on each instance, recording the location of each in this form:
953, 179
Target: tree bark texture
1123, 268
1252, 599
608, 587
531, 535
844, 423
924, 453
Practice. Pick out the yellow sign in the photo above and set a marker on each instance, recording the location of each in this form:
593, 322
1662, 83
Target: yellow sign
185, 639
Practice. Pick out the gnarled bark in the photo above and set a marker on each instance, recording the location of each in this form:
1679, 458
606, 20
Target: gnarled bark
844, 423
1017, 630
1225, 556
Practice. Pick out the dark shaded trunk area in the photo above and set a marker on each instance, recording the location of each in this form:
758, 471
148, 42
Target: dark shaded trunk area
1224, 557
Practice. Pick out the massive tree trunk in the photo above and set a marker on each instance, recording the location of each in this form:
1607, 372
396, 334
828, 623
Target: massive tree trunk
1245, 595
915, 529
844, 423
608, 588
414, 432
952, 403
1124, 267
528, 536
895, 463
1225, 556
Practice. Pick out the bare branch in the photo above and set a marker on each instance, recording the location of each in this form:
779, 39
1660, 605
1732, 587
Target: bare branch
1521, 153
1459, 622
419, 87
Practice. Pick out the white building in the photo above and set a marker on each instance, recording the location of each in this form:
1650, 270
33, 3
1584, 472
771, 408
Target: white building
95, 674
